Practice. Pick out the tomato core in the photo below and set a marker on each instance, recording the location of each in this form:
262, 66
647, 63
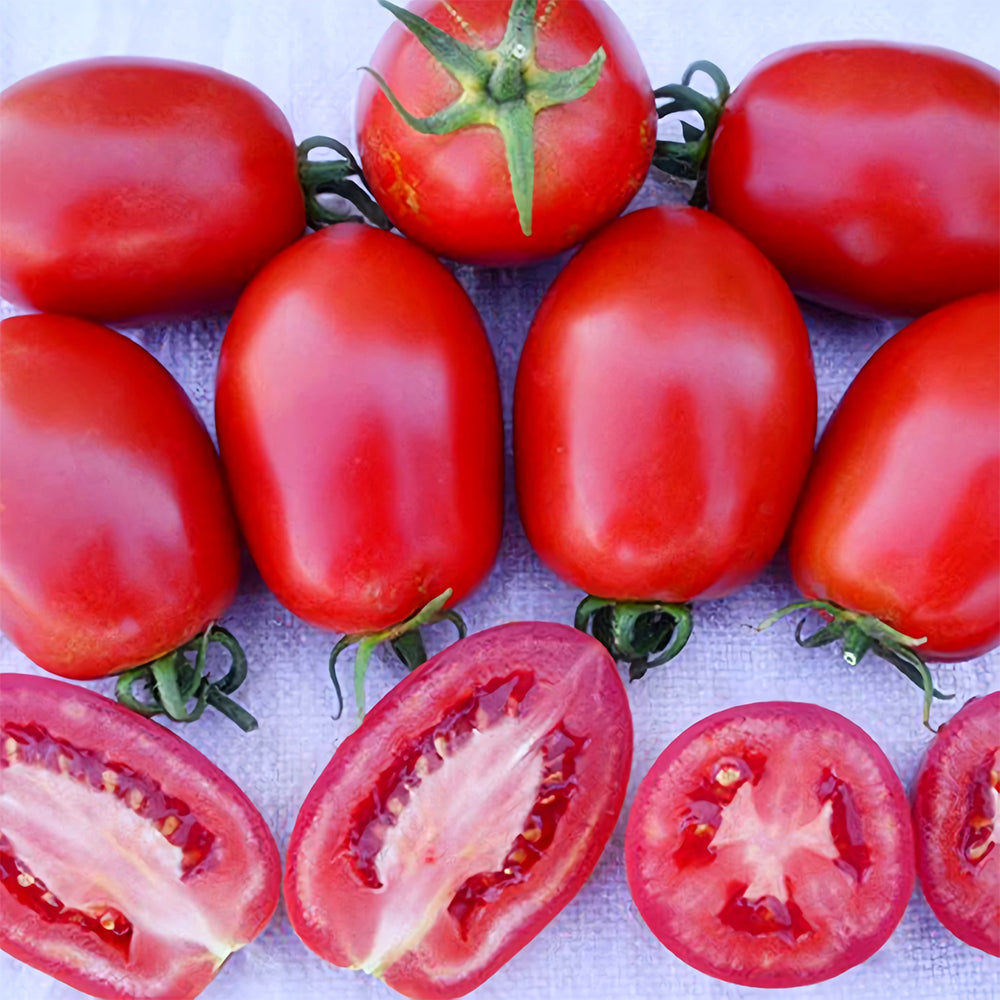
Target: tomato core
979, 831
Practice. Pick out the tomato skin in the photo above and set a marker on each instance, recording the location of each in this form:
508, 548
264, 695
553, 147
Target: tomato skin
118, 542
867, 173
812, 778
900, 516
358, 413
958, 783
141, 188
574, 689
452, 193
664, 411
231, 887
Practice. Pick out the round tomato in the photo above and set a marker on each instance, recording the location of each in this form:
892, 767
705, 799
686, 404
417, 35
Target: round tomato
770, 845
540, 125
117, 542
136, 188
467, 810
130, 865
956, 815
358, 412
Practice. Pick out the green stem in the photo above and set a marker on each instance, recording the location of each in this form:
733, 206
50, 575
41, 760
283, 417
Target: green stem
334, 177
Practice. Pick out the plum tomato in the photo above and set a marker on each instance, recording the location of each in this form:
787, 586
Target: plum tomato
466, 811
771, 845
130, 865
956, 819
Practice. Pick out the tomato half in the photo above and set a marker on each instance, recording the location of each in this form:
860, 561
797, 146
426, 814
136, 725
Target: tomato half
358, 413
956, 817
131, 866
771, 845
117, 541
467, 810
582, 161
136, 188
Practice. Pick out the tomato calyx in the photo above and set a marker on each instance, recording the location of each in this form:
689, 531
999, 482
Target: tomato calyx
643, 634
333, 177
173, 681
503, 87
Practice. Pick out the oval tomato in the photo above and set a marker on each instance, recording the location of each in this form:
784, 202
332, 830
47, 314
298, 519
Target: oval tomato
957, 823
770, 845
117, 542
131, 866
135, 188
467, 810
358, 412
579, 160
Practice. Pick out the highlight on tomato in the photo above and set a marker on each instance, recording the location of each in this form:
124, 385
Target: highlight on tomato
502, 133
865, 171
770, 845
119, 548
664, 418
465, 812
130, 865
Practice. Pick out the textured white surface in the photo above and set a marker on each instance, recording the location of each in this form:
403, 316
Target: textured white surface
305, 54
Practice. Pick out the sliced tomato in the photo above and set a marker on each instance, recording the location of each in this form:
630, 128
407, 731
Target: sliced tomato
770, 845
466, 811
131, 866
956, 815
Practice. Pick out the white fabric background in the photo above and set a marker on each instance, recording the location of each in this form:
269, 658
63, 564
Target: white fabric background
305, 54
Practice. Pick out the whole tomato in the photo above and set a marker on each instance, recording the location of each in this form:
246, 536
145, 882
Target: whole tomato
569, 116
138, 188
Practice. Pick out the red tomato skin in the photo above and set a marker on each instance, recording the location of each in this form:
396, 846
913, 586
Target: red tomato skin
452, 193
136, 189
867, 173
900, 516
358, 413
577, 682
118, 542
965, 897
238, 884
664, 411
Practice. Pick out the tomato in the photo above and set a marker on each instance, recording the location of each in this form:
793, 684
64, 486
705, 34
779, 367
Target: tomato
118, 542
956, 817
508, 186
358, 413
770, 845
131, 866
137, 188
467, 810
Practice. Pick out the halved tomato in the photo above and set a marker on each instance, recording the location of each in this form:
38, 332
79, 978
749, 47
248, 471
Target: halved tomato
770, 845
131, 866
466, 811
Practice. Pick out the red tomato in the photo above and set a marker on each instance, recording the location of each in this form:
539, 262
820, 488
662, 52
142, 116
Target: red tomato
131, 865
454, 192
664, 411
358, 412
770, 845
956, 815
467, 810
117, 543
900, 516
867, 173
135, 188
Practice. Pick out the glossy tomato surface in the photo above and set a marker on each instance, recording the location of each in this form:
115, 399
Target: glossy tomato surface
867, 173
453, 193
131, 866
467, 810
900, 517
136, 188
664, 411
117, 542
956, 818
770, 845
358, 412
